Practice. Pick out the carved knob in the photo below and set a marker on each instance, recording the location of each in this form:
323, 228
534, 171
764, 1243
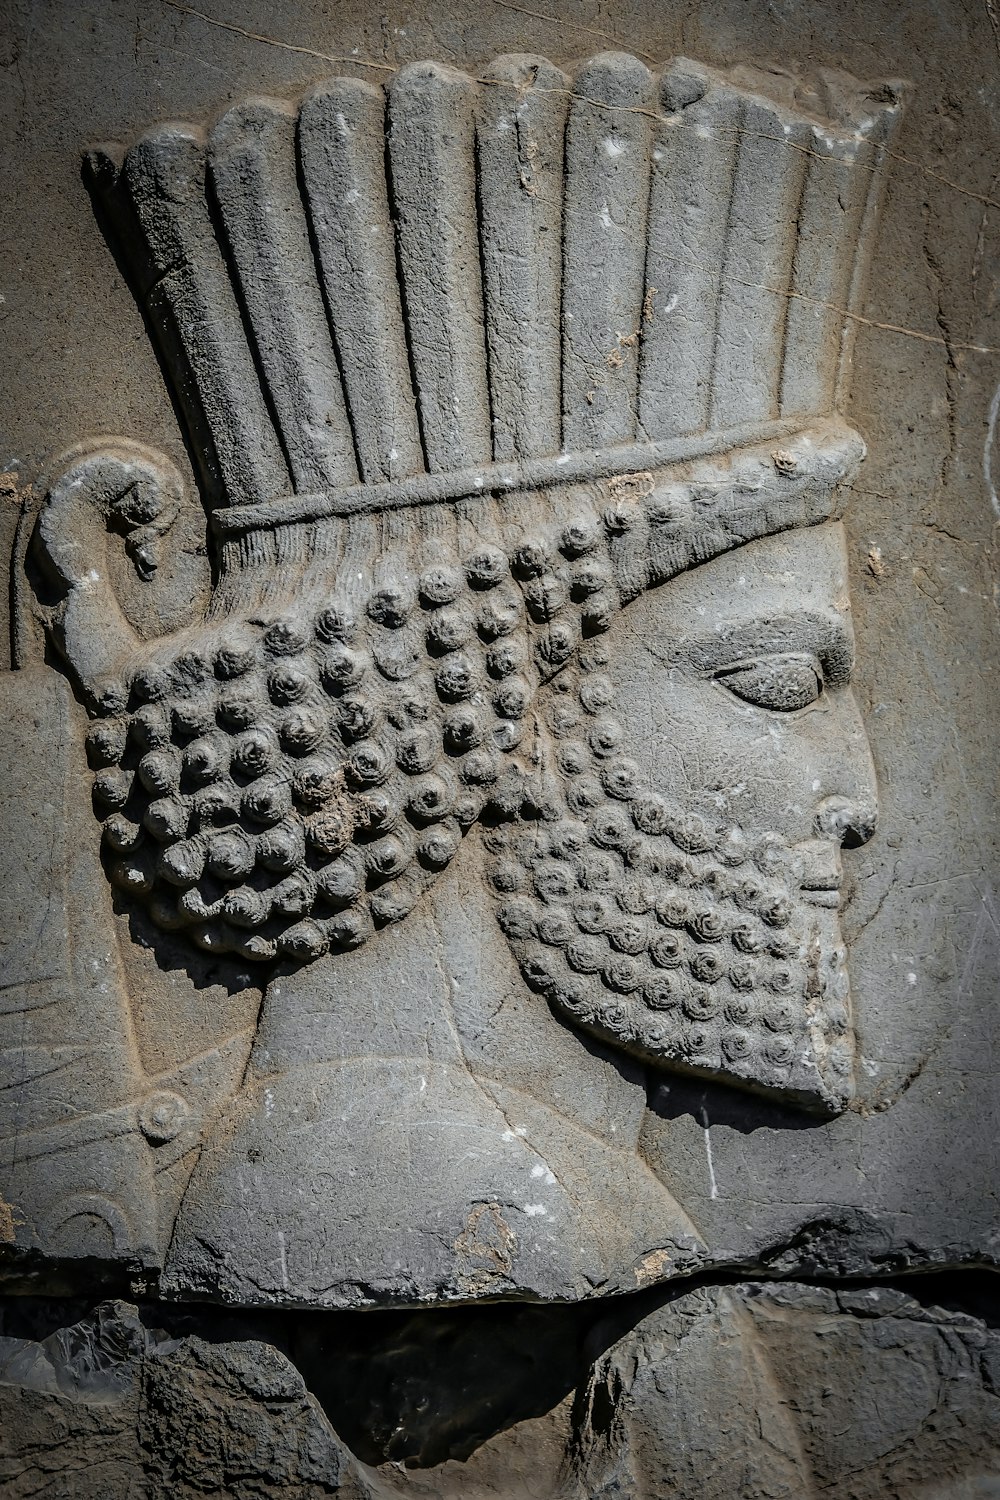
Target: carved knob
101, 489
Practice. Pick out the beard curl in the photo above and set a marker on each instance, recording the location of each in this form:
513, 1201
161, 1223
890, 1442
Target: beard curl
293, 773
684, 941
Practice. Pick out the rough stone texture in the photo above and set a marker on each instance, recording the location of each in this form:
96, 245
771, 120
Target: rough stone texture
109, 1408
799, 1391
574, 663
618, 322
747, 1392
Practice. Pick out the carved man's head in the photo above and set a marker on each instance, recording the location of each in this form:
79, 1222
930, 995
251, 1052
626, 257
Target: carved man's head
525, 489
678, 889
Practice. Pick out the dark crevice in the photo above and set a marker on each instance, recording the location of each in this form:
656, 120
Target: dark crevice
484, 300
395, 226
423, 1387
321, 282
227, 255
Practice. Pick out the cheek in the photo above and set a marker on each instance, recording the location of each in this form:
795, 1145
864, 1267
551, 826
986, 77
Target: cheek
699, 745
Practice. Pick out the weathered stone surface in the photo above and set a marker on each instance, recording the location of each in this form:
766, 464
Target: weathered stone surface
112, 1408
743, 1392
767, 1391
502, 537
569, 652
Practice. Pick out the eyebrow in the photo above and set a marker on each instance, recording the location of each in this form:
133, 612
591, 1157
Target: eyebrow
825, 633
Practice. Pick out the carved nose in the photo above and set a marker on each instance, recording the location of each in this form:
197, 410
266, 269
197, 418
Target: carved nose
848, 820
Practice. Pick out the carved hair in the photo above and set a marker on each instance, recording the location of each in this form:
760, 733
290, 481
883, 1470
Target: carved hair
467, 365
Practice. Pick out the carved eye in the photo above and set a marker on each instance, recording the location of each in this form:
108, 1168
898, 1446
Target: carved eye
783, 683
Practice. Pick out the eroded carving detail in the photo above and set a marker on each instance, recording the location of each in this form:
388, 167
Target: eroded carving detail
285, 787
454, 415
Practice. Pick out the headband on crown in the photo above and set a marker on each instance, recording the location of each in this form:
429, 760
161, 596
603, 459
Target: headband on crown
466, 365
461, 286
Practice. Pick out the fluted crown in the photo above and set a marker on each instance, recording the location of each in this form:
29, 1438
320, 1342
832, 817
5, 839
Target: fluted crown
458, 284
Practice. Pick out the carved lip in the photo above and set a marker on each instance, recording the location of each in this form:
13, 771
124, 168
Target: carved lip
828, 896
822, 873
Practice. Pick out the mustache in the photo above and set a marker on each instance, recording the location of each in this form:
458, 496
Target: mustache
697, 944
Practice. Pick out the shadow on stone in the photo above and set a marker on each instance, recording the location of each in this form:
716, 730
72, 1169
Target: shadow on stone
718, 1104
420, 1388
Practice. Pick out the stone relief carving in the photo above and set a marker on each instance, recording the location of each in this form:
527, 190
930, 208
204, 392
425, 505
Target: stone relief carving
513, 402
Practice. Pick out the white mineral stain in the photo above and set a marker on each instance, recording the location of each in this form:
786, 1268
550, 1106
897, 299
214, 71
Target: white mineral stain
713, 1185
991, 428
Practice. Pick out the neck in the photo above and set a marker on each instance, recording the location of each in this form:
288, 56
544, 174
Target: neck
413, 1108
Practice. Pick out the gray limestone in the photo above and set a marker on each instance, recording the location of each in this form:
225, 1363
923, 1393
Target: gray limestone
498, 940
753, 1391
343, 168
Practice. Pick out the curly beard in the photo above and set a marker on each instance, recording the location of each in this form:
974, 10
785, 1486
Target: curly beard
695, 946
294, 772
